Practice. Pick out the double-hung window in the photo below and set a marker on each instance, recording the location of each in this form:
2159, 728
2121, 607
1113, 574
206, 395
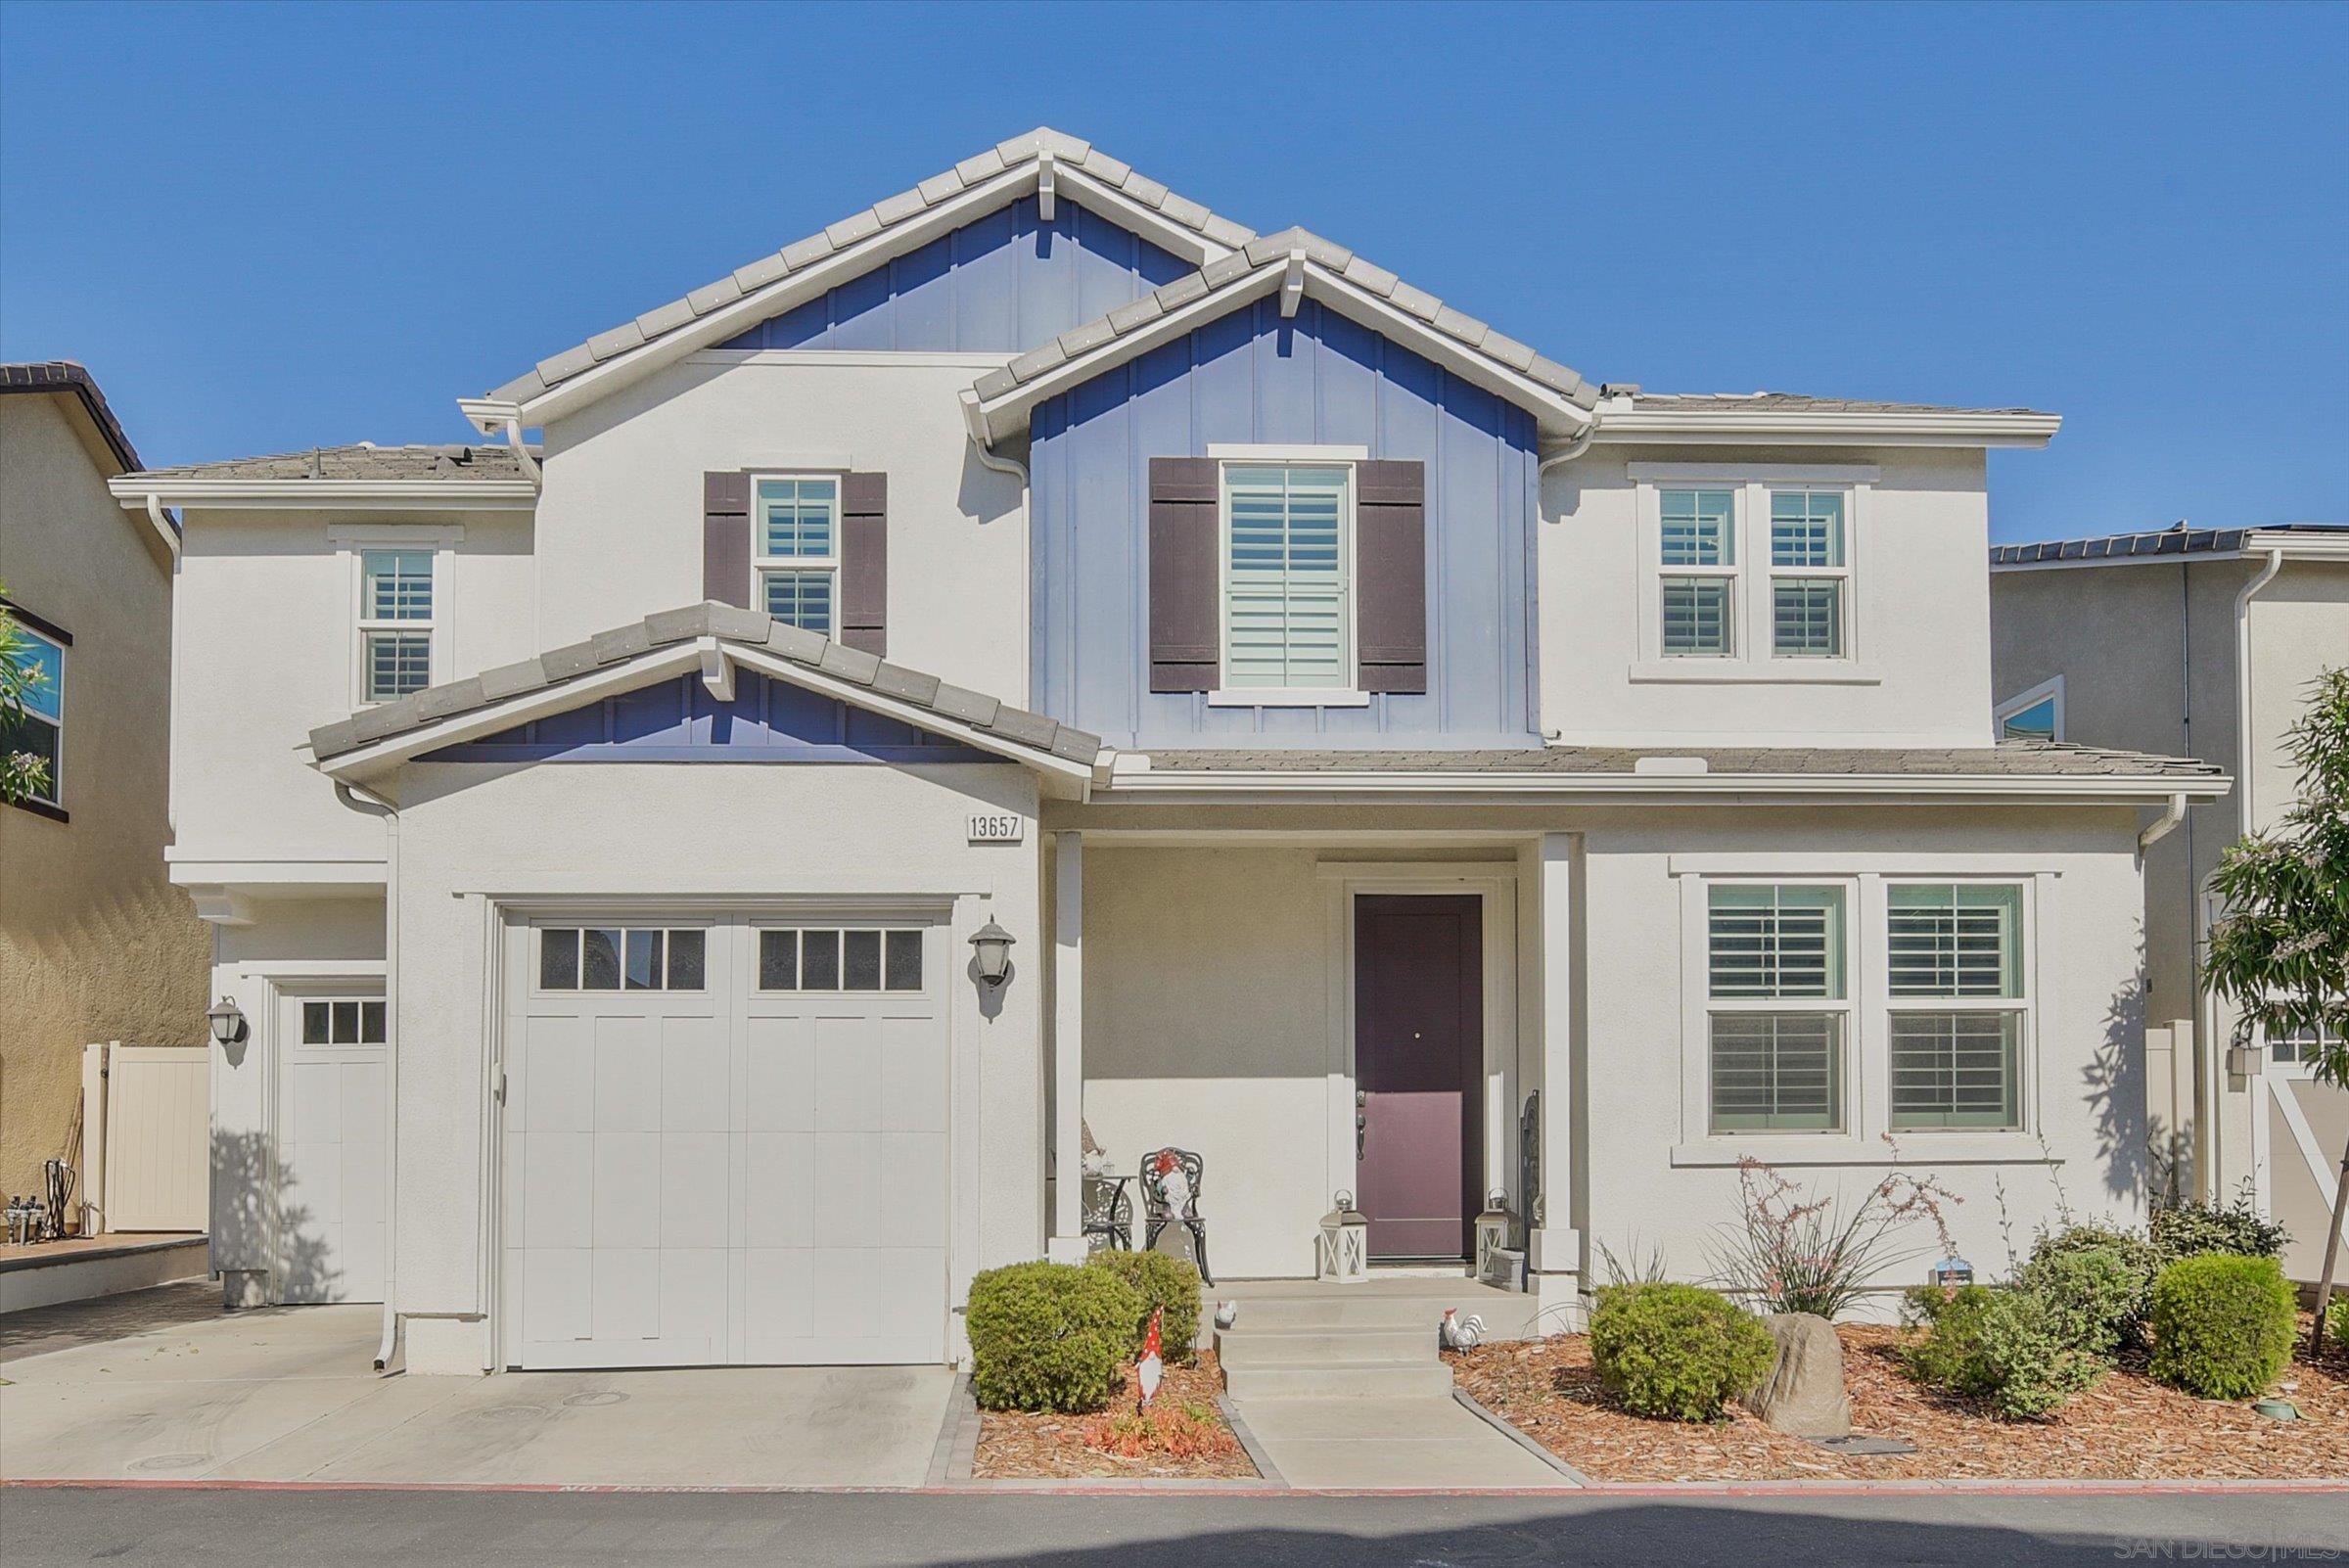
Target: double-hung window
1954, 977
1288, 570
395, 623
795, 533
1699, 584
41, 733
1807, 574
1779, 1006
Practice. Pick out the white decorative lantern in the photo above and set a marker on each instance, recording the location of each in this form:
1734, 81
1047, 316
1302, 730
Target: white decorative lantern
1344, 1254
1493, 1236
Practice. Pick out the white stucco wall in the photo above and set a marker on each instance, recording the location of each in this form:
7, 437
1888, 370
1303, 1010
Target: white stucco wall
470, 834
1919, 624
620, 517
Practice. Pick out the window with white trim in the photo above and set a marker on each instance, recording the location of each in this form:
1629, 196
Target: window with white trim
40, 731
829, 959
343, 1020
1777, 1006
1807, 574
1953, 975
2303, 1047
1698, 590
623, 959
1287, 576
395, 623
795, 532
2034, 714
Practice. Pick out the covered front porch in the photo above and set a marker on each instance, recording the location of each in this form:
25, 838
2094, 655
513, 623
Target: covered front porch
1314, 1014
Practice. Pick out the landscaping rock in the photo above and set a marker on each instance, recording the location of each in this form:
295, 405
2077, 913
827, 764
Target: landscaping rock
1804, 1393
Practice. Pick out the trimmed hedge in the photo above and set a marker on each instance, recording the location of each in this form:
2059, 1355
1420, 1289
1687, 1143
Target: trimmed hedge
2010, 1349
1047, 1336
2223, 1324
1161, 1281
1677, 1352
2192, 1228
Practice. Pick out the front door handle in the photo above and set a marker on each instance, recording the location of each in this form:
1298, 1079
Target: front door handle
1361, 1121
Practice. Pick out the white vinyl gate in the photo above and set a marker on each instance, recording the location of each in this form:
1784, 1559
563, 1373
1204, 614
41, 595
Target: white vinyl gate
725, 1141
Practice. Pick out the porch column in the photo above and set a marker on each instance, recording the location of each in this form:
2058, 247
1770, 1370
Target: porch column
1067, 1241
1556, 1245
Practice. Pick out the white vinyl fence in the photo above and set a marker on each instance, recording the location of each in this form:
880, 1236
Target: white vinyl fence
147, 1136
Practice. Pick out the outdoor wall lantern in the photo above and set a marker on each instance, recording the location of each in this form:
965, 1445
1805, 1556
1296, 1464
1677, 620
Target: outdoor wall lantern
991, 946
1344, 1256
1493, 1228
227, 1021
1951, 1274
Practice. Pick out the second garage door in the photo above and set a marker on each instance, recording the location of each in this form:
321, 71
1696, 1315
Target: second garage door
725, 1141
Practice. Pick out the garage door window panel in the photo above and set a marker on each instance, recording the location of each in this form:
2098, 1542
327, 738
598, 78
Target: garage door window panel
573, 958
841, 959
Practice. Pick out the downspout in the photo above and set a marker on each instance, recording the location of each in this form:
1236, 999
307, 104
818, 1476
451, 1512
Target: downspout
522, 453
989, 458
1557, 459
2213, 1080
362, 799
2159, 828
155, 515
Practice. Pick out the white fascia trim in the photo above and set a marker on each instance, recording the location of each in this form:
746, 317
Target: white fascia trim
340, 495
1825, 428
644, 669
854, 358
1737, 786
1559, 416
857, 259
1766, 472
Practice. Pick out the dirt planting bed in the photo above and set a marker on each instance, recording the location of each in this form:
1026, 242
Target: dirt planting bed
1020, 1444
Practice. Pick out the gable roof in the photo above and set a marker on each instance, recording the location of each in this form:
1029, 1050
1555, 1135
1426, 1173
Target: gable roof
1298, 263
1632, 414
670, 642
2327, 539
70, 377
856, 244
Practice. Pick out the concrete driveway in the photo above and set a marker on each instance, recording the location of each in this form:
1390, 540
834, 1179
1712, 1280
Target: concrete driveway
290, 1393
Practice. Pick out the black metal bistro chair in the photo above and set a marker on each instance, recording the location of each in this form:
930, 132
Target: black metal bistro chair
1160, 1214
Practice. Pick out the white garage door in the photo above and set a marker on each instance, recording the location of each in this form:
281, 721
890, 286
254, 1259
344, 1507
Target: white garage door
332, 1173
725, 1142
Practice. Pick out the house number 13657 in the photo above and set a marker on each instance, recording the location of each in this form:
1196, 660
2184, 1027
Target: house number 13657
998, 827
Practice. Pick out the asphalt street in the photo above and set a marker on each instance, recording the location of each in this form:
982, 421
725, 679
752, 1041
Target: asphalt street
486, 1530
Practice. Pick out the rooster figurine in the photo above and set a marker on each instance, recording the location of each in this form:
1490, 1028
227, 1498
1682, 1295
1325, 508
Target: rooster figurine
1227, 1313
1462, 1333
1152, 1367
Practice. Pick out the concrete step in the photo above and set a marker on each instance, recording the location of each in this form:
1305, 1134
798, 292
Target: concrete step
1338, 1311
1311, 1347
1339, 1380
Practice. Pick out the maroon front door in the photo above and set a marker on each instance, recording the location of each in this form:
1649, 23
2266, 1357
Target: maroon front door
1418, 1057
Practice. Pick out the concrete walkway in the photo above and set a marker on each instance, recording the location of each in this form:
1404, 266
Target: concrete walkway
290, 1394
1375, 1444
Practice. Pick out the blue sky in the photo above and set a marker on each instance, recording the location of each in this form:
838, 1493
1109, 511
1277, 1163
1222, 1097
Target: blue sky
263, 228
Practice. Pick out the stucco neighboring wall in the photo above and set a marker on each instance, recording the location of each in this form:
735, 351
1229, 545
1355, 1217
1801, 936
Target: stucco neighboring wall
1920, 623
622, 832
95, 943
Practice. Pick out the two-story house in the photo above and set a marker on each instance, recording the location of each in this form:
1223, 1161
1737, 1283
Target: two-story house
1399, 766
2199, 643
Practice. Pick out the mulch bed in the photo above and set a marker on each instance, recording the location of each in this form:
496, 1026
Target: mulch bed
2127, 1427
1025, 1445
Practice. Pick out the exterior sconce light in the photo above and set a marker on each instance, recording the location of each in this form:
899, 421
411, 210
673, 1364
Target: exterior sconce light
1344, 1256
991, 946
1951, 1274
227, 1021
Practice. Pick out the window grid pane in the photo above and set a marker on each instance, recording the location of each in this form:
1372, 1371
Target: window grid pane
778, 960
1696, 526
801, 598
1807, 617
798, 519
1286, 607
2035, 722
41, 740
398, 662
1955, 1070
1696, 617
1806, 528
685, 957
1780, 1070
1777, 943
1955, 941
558, 958
398, 585
44, 662
904, 960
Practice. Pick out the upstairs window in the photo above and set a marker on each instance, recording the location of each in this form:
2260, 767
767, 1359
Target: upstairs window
41, 732
1955, 972
1288, 567
1807, 574
794, 527
1777, 1008
1699, 586
2035, 714
395, 623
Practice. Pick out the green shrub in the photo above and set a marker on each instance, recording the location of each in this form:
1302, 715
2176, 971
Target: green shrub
1048, 1336
2096, 1292
1161, 1281
1678, 1352
2193, 1228
2007, 1348
2223, 1324
2337, 1324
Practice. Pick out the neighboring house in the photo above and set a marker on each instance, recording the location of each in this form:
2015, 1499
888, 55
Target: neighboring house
1402, 767
2196, 642
95, 942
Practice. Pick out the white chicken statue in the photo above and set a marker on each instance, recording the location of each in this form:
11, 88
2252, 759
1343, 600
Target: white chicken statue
1227, 1313
1462, 1333
1152, 1367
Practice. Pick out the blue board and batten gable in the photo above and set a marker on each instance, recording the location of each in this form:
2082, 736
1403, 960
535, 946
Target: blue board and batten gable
679, 722
1001, 284
1319, 378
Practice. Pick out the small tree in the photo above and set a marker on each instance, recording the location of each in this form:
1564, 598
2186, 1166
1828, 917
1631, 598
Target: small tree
2280, 953
22, 774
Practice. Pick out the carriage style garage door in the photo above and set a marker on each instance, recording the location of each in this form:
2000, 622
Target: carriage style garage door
725, 1141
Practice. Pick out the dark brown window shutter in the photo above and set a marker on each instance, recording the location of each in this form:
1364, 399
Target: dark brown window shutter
726, 538
1185, 632
864, 562
1391, 562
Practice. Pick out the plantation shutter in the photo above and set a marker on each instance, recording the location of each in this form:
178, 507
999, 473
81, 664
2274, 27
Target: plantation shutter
1391, 564
726, 538
1185, 634
864, 562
